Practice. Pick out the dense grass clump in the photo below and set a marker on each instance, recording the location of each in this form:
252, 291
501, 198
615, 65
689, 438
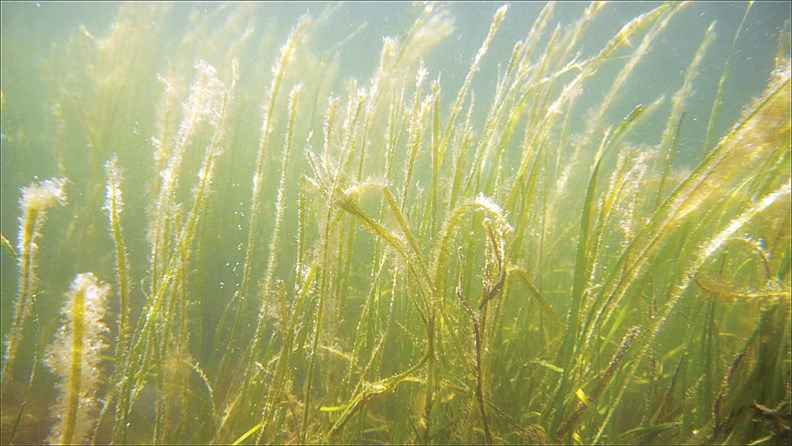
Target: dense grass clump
544, 244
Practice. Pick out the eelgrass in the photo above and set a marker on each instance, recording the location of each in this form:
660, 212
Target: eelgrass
75, 356
507, 259
36, 200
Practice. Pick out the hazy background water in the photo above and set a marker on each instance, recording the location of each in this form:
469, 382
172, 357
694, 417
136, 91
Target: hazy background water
34, 35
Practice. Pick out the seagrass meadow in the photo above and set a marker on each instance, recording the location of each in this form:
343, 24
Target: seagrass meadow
302, 223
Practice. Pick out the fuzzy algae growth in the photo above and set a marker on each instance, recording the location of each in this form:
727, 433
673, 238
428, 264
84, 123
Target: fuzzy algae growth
543, 241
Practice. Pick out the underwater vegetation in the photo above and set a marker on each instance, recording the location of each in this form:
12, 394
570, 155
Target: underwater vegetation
217, 230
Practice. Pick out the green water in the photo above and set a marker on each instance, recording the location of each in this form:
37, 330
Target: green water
395, 223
